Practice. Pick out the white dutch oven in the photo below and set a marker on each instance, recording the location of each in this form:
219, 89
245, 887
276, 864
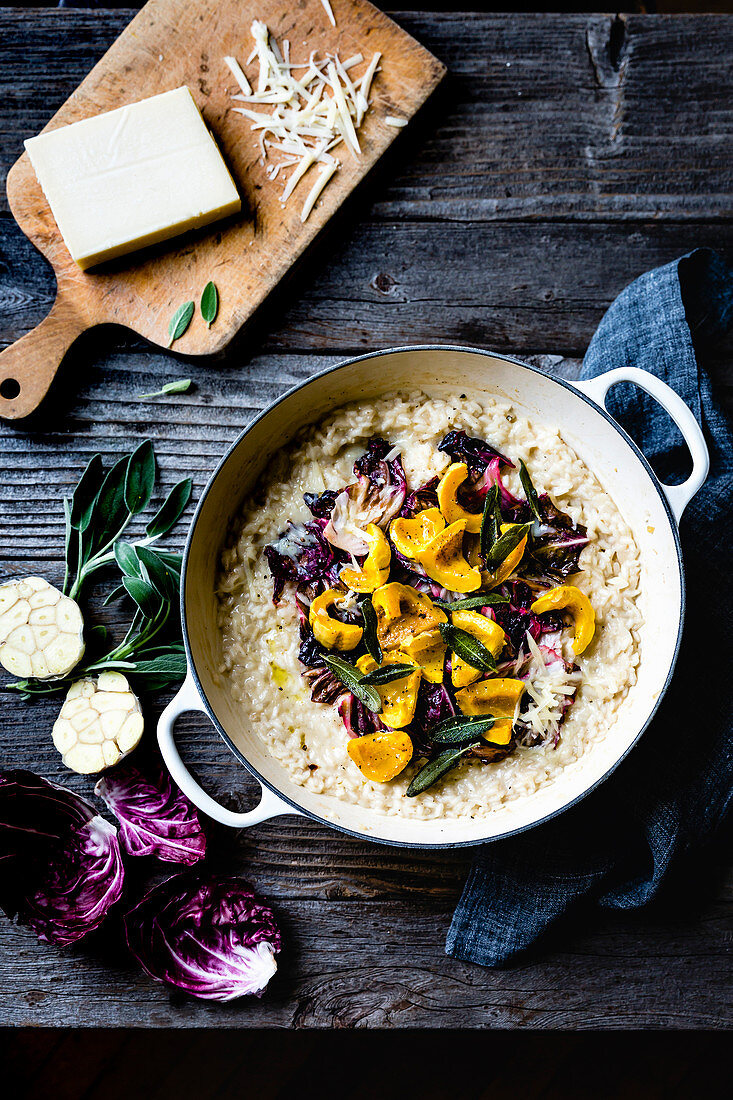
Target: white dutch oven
652, 511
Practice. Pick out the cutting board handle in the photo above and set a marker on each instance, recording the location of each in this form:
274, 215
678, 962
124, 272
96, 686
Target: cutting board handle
28, 367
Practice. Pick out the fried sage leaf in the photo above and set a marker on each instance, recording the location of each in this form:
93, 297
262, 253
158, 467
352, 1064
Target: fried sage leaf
432, 771
460, 729
387, 674
369, 636
490, 521
485, 599
509, 541
531, 493
351, 678
468, 648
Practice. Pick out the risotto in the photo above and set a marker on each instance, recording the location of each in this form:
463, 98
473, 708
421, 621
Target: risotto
428, 607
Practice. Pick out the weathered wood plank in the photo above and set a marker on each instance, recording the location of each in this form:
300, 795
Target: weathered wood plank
515, 287
545, 115
381, 964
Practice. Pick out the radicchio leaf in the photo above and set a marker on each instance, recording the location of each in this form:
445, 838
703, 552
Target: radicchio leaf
476, 453
60, 864
321, 504
357, 718
156, 818
424, 497
516, 619
376, 496
207, 936
557, 546
301, 555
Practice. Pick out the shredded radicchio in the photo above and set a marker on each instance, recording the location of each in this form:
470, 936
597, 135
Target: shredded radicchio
321, 504
376, 496
301, 555
476, 453
357, 718
516, 619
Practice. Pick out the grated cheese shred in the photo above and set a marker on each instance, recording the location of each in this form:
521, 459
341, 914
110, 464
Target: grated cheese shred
548, 685
305, 116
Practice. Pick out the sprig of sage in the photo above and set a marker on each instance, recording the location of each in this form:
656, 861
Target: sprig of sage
351, 678
468, 648
103, 505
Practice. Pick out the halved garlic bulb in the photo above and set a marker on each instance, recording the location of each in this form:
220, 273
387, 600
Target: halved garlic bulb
41, 630
99, 723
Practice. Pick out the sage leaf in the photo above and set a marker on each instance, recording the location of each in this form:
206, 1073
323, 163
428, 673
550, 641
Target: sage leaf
127, 559
181, 386
351, 678
180, 321
468, 648
173, 561
369, 638
163, 579
487, 599
71, 547
509, 541
387, 674
530, 492
460, 729
490, 521
85, 494
209, 304
170, 510
116, 594
140, 478
437, 767
144, 595
110, 511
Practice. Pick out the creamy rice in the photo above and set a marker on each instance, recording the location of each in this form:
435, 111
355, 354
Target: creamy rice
261, 641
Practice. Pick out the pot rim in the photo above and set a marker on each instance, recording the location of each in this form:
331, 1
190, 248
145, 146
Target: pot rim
357, 834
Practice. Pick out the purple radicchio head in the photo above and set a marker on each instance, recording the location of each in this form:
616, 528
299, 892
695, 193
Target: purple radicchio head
210, 937
60, 864
156, 818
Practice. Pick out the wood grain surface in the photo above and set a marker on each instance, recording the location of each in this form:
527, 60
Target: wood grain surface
490, 223
168, 44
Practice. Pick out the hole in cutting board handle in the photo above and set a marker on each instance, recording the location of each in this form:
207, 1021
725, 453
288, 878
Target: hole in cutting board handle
9, 388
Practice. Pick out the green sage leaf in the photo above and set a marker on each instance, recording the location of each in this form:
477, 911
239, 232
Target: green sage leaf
85, 494
437, 767
180, 321
181, 386
209, 304
387, 674
509, 541
468, 648
530, 492
140, 478
351, 678
487, 599
460, 729
369, 638
127, 559
490, 521
116, 594
144, 595
165, 581
110, 511
170, 510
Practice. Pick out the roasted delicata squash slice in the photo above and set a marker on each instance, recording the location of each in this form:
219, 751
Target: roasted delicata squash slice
450, 505
566, 597
374, 571
399, 697
444, 562
330, 632
427, 651
499, 697
381, 756
511, 561
410, 536
402, 614
41, 630
486, 631
100, 723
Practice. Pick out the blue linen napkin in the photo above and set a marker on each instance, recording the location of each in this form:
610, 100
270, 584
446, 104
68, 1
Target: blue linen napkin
617, 847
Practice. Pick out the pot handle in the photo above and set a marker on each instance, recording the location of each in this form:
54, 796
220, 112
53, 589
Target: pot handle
679, 496
188, 699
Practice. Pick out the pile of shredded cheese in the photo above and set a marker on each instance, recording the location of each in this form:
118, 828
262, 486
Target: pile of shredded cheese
311, 113
548, 686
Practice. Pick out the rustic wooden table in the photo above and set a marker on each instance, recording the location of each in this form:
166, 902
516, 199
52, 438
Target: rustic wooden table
563, 156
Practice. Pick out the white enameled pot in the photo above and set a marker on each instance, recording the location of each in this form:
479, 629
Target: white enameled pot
651, 510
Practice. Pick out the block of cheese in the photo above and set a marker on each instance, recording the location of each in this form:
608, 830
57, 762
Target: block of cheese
132, 177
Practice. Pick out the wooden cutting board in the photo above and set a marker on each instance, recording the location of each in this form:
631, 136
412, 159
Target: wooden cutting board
175, 42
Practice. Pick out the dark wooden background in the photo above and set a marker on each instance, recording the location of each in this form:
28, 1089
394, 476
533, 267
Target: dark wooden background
564, 155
